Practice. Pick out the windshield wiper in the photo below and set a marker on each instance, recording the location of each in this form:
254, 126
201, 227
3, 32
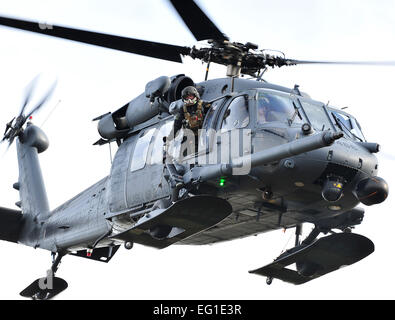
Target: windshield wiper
296, 113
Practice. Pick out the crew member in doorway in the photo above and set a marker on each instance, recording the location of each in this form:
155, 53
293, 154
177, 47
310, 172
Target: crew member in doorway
191, 114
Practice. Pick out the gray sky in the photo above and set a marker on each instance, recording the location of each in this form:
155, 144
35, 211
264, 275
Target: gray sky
93, 81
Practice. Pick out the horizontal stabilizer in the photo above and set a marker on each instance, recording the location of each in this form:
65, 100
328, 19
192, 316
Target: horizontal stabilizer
10, 224
325, 255
102, 142
164, 227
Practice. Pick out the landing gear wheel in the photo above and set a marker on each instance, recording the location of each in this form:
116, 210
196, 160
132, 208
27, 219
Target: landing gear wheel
269, 280
128, 245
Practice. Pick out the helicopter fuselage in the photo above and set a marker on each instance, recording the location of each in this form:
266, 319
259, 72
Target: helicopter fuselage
280, 194
266, 157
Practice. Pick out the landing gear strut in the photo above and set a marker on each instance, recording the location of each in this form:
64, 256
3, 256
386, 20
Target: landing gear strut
298, 246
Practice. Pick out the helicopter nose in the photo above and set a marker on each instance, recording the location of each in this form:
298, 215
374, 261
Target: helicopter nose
372, 191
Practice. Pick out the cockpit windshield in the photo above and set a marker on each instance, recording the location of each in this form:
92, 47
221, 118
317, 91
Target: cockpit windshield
348, 125
275, 107
316, 114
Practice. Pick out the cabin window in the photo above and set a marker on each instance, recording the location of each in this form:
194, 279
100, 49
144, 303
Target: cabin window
317, 115
275, 107
157, 146
141, 150
236, 115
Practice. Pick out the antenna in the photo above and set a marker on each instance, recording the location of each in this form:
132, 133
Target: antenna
109, 146
208, 67
53, 109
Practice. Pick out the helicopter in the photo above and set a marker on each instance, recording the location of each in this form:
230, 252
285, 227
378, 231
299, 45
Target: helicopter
232, 84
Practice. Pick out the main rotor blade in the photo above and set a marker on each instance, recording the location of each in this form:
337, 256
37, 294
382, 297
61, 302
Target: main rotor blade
28, 95
197, 21
141, 47
361, 63
10, 142
43, 100
8, 126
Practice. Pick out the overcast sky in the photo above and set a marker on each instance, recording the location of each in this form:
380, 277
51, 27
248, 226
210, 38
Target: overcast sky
93, 81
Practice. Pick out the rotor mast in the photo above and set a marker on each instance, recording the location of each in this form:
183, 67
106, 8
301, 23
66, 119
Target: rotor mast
233, 71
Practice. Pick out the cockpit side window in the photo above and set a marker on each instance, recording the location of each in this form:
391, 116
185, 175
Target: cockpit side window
358, 129
348, 125
141, 150
205, 138
275, 107
236, 115
210, 114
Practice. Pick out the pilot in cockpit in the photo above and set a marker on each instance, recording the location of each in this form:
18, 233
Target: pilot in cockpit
262, 111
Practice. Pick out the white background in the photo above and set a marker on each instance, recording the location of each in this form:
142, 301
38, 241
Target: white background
93, 81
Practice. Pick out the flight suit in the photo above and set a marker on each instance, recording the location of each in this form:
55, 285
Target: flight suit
191, 117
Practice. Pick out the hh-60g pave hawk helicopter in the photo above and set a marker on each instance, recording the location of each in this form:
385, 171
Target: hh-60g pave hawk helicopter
307, 162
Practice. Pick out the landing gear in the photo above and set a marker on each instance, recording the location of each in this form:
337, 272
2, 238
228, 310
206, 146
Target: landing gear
347, 230
128, 245
49, 286
316, 257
